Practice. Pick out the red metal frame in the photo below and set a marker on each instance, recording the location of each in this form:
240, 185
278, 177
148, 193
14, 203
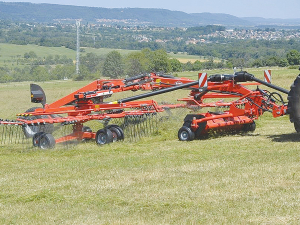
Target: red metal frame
244, 109
87, 104
79, 107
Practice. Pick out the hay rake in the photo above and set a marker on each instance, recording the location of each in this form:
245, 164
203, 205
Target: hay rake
82, 107
137, 118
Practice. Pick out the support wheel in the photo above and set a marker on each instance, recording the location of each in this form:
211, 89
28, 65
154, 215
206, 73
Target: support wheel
46, 141
30, 130
104, 136
186, 134
117, 132
36, 138
86, 129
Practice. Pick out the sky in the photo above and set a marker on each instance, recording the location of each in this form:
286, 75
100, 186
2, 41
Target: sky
284, 9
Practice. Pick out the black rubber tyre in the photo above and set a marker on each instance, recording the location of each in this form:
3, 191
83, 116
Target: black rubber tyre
189, 119
86, 129
46, 141
294, 104
118, 127
111, 125
198, 132
36, 138
186, 134
30, 130
117, 132
104, 136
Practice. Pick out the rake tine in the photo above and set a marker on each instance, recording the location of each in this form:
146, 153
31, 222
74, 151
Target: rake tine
138, 124
135, 128
9, 134
146, 124
2, 134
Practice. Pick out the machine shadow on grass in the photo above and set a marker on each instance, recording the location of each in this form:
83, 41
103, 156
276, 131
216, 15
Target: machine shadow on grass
292, 137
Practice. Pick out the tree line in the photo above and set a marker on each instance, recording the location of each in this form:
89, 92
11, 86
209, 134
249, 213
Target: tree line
115, 65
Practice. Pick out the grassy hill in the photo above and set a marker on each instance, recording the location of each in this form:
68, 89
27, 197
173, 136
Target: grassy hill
10, 53
18, 11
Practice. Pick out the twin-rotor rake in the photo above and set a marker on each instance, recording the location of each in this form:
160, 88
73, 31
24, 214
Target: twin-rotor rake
238, 113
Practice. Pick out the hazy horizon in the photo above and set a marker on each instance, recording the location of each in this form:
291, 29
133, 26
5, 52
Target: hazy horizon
276, 9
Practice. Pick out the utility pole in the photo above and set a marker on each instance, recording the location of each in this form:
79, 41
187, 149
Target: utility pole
78, 47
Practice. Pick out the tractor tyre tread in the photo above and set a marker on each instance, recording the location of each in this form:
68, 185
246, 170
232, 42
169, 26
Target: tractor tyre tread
293, 108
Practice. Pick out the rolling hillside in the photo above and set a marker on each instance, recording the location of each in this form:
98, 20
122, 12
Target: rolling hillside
128, 16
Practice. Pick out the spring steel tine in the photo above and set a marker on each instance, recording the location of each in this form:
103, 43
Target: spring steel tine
133, 128
14, 133
19, 134
130, 127
141, 117
136, 127
132, 124
146, 124
6, 134
2, 133
137, 123
10, 134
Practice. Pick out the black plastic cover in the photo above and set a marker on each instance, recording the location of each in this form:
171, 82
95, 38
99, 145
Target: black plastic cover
37, 94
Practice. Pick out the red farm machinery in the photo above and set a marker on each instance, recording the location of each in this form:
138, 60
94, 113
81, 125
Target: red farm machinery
238, 113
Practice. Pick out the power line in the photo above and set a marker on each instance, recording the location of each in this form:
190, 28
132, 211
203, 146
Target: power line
78, 47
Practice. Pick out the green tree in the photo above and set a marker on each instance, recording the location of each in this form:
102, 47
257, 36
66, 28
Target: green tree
148, 62
49, 60
283, 63
257, 63
175, 65
197, 65
26, 55
113, 65
188, 66
161, 61
19, 74
30, 55
4, 75
91, 61
63, 71
84, 73
209, 64
134, 63
39, 73
293, 57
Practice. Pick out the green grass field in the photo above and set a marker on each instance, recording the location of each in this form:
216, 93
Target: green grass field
236, 179
10, 53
